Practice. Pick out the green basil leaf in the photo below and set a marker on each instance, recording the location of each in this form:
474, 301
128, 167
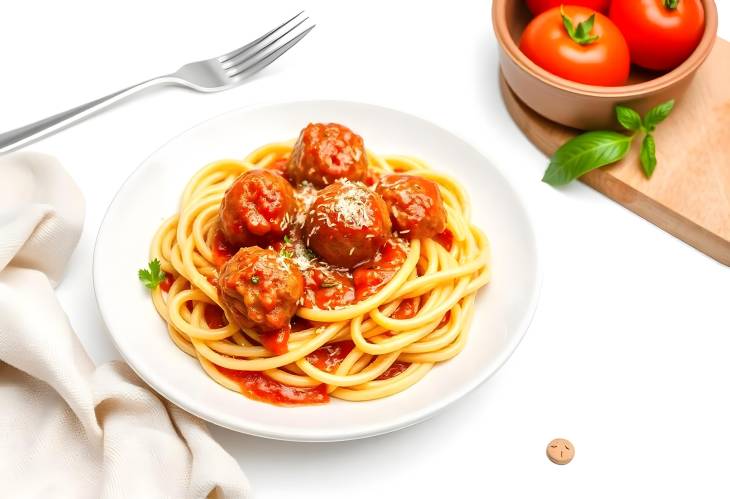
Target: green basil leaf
658, 114
584, 153
648, 155
628, 118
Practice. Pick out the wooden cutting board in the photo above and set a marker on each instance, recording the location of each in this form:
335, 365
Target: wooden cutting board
689, 193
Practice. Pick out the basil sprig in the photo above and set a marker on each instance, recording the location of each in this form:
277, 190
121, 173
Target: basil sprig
592, 150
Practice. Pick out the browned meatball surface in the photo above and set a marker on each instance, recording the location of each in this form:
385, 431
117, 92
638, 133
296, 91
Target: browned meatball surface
260, 289
346, 224
256, 208
415, 205
327, 152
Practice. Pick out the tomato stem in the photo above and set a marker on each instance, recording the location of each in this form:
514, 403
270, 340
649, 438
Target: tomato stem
671, 4
580, 34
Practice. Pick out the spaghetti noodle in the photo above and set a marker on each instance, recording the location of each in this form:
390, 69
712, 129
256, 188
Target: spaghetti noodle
373, 345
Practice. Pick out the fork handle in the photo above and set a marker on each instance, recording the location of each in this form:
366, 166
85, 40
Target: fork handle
27, 134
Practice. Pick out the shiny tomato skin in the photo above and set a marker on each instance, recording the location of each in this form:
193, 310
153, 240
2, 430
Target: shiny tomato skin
537, 7
604, 62
659, 38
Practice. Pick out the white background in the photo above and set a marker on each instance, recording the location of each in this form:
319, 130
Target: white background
629, 352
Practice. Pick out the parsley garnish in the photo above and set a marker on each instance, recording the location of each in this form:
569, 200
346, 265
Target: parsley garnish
287, 239
286, 252
328, 284
254, 279
154, 276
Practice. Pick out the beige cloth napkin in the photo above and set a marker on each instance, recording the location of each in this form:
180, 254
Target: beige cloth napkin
67, 428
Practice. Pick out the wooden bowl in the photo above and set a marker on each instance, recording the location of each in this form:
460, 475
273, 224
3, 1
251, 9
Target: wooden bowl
587, 107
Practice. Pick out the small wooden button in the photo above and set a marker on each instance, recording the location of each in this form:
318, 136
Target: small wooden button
560, 451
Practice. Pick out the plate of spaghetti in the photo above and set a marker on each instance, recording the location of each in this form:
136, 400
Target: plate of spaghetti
316, 271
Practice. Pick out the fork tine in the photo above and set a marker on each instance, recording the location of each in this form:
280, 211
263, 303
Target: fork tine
258, 65
233, 53
236, 62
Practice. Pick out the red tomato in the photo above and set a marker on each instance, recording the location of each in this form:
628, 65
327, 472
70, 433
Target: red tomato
537, 7
600, 57
661, 33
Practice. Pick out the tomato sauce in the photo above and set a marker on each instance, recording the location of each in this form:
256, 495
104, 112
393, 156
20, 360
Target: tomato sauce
445, 239
371, 177
167, 283
329, 357
258, 386
327, 287
276, 341
444, 320
369, 278
279, 165
299, 324
222, 251
214, 317
407, 309
394, 370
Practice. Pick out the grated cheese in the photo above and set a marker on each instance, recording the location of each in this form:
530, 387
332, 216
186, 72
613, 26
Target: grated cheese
352, 206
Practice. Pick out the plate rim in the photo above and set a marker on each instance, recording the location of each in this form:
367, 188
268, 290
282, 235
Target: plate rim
296, 435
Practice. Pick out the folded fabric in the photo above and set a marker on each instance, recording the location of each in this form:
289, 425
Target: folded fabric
68, 428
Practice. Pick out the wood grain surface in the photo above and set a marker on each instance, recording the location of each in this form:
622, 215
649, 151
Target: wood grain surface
689, 193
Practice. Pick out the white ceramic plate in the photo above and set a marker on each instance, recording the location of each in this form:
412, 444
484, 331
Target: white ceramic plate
504, 307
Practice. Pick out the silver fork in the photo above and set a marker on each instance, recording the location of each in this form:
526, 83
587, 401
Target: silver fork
211, 75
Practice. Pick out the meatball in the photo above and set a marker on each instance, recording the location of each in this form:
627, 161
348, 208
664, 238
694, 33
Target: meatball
260, 289
325, 153
256, 208
346, 224
415, 205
